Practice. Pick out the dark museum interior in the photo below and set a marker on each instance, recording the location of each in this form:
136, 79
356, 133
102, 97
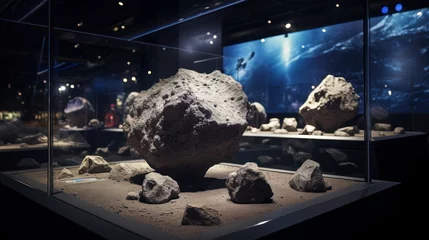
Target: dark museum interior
213, 119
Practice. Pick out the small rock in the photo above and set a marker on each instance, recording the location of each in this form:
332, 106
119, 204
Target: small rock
173, 201
342, 134
158, 188
248, 185
102, 151
318, 133
24, 145
356, 129
94, 164
65, 173
132, 196
349, 130
35, 139
200, 215
382, 127
308, 130
28, 163
255, 130
290, 124
256, 115
308, 178
280, 131
273, 124
79, 111
381, 134
75, 193
133, 172
347, 167
94, 123
399, 130
265, 160
124, 151
244, 145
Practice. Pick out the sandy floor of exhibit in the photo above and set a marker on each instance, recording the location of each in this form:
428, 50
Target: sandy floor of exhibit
110, 195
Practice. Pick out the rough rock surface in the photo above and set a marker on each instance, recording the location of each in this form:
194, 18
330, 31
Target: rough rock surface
248, 185
35, 139
132, 196
256, 115
399, 130
265, 160
79, 111
94, 164
9, 132
28, 163
65, 173
102, 151
187, 123
330, 104
94, 123
318, 133
382, 127
128, 102
309, 178
290, 124
350, 131
255, 130
196, 214
124, 151
133, 172
308, 130
158, 188
280, 131
273, 124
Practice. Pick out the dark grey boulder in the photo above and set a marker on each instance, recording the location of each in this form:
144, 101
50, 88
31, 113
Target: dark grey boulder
309, 178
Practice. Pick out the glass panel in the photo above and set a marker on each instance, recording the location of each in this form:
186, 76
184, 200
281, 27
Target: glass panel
23, 98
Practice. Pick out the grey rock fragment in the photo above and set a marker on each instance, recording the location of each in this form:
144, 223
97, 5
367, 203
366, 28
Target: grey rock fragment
168, 121
28, 163
95, 123
399, 130
65, 173
256, 115
280, 131
35, 139
308, 130
102, 151
330, 104
265, 160
158, 188
124, 151
272, 125
248, 185
317, 133
133, 172
382, 127
24, 145
309, 178
79, 111
290, 124
132, 196
94, 164
201, 215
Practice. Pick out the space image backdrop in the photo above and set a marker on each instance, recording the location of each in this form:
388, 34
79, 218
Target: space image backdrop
281, 71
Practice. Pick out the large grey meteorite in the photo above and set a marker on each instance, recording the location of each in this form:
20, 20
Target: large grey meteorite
187, 123
331, 104
79, 111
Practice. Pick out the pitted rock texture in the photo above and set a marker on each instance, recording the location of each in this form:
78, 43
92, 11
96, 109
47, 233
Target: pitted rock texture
290, 124
256, 115
309, 178
8, 132
187, 123
94, 164
79, 111
133, 172
271, 126
158, 188
200, 215
330, 104
128, 102
248, 185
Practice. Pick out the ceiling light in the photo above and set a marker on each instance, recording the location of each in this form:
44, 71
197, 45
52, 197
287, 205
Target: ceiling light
72, 86
312, 87
127, 71
19, 93
337, 5
385, 85
163, 48
419, 14
181, 19
302, 46
214, 36
206, 7
149, 72
269, 21
384, 9
44, 81
80, 24
22, 102
211, 42
208, 33
129, 63
67, 84
134, 50
76, 45
78, 85
121, 4
134, 78
288, 25
263, 40
115, 29
99, 57
390, 93
398, 7
123, 27
125, 80
324, 30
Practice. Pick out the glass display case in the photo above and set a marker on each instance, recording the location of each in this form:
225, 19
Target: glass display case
210, 119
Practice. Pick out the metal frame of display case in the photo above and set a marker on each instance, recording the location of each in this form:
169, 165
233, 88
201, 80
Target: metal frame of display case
111, 225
